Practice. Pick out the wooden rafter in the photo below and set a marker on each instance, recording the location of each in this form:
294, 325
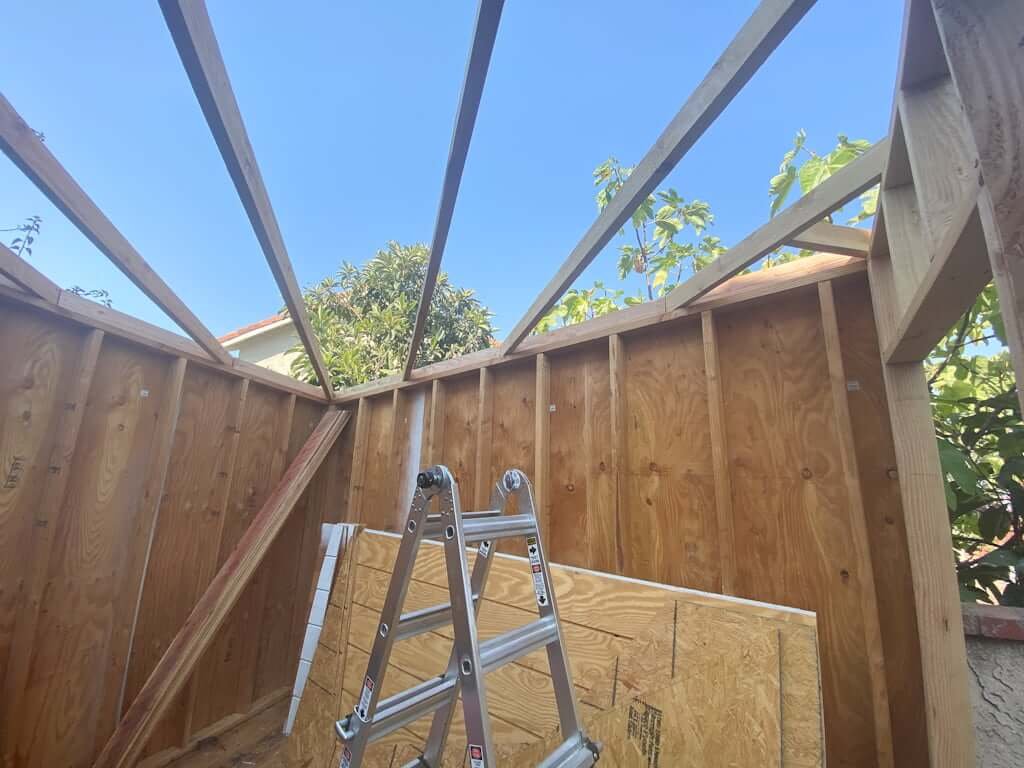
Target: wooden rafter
832, 238
487, 18
850, 181
187, 647
190, 26
35, 160
27, 277
759, 36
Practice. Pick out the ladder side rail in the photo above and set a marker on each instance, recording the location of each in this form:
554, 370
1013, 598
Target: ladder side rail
373, 682
440, 726
558, 661
467, 646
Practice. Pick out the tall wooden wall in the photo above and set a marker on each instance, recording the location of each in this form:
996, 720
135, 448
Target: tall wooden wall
744, 450
127, 476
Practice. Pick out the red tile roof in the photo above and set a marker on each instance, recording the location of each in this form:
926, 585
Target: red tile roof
252, 327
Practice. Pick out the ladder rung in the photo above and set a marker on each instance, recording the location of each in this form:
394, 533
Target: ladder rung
499, 528
435, 525
403, 708
572, 753
424, 620
508, 647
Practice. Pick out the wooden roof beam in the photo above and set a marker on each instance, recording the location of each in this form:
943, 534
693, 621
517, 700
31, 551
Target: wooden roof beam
837, 190
35, 160
27, 277
832, 238
771, 21
487, 17
190, 27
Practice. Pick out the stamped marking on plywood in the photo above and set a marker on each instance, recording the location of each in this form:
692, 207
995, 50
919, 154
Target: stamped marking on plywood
643, 727
13, 476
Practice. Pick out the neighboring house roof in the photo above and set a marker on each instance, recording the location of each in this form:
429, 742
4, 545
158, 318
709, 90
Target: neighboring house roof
255, 329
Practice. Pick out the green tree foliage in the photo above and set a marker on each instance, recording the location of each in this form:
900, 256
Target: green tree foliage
364, 316
666, 239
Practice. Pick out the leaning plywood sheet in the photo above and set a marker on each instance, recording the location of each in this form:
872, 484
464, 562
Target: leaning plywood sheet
664, 676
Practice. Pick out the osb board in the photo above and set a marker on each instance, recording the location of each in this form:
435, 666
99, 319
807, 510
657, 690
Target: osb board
759, 661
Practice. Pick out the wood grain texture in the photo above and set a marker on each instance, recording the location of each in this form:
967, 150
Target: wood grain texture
542, 445
35, 160
27, 277
44, 387
67, 683
379, 476
461, 416
719, 455
92, 315
941, 645
668, 468
615, 655
481, 490
222, 672
360, 457
982, 43
790, 504
858, 525
185, 650
583, 523
886, 527
188, 529
513, 418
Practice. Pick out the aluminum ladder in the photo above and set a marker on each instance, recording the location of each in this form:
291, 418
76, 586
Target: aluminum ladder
470, 659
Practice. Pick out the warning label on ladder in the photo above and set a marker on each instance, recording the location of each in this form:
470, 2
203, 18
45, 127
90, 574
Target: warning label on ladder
346, 757
540, 587
485, 548
476, 756
364, 700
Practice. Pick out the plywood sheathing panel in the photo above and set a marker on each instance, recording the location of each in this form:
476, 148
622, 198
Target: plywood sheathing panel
656, 637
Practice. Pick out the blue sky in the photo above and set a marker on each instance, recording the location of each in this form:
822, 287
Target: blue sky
349, 106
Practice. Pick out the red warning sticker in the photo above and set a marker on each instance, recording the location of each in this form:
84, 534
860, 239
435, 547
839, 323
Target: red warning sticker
476, 756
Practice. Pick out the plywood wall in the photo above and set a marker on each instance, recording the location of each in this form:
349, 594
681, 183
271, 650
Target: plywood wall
708, 453
127, 477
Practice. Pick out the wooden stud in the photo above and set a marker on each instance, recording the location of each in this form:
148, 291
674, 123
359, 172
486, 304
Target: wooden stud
21, 144
831, 238
27, 277
620, 460
936, 596
719, 455
542, 447
47, 521
858, 528
194, 38
184, 652
134, 579
837, 190
488, 16
435, 445
359, 450
484, 439
771, 21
